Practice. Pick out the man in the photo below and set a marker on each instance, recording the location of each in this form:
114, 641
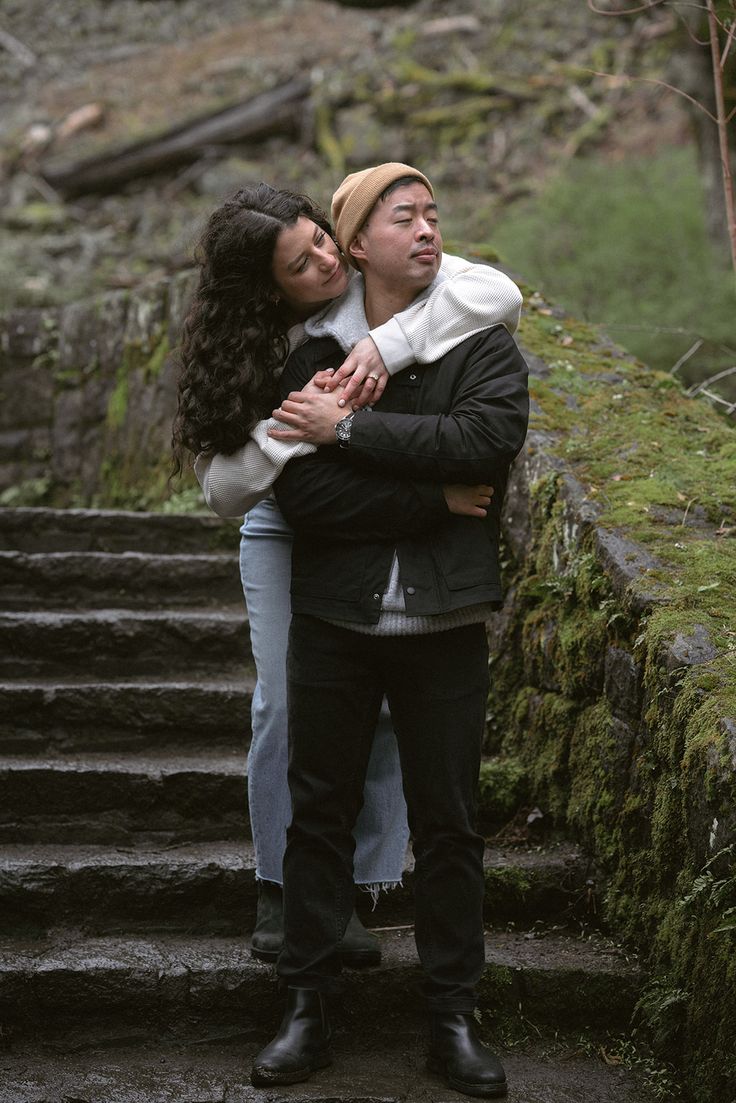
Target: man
390, 592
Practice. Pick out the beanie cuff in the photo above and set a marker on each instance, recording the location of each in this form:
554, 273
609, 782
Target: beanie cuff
356, 197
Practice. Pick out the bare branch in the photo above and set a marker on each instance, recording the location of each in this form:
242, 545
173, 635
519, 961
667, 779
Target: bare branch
19, 51
729, 44
661, 83
626, 11
690, 32
712, 379
723, 138
684, 358
730, 406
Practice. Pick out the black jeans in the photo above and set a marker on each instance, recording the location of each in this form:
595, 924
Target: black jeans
436, 687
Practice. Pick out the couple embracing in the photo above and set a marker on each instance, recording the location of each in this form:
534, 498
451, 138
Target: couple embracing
376, 489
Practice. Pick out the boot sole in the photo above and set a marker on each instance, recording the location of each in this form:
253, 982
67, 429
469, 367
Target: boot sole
481, 1091
264, 1078
353, 959
268, 956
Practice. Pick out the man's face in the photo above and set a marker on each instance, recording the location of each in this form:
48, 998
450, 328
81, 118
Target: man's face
400, 245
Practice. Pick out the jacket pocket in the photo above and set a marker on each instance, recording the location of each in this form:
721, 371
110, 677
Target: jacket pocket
467, 554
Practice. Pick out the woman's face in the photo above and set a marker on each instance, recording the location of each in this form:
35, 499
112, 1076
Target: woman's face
307, 267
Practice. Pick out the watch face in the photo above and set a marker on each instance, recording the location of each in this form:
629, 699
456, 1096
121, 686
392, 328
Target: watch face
342, 429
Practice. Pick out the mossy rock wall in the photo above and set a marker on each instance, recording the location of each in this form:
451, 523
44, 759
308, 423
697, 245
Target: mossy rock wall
613, 672
88, 395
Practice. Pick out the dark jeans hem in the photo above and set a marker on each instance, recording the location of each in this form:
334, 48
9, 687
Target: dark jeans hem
329, 986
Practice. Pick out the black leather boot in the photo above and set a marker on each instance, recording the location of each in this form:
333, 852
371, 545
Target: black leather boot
457, 1053
268, 933
358, 947
301, 1045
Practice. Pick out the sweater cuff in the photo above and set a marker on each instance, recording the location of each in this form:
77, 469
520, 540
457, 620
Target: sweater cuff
279, 452
391, 342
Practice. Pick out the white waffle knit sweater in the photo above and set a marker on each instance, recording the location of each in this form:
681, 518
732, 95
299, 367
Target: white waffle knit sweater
463, 299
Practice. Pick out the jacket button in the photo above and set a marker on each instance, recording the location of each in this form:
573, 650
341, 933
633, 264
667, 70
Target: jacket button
410, 590
412, 376
376, 597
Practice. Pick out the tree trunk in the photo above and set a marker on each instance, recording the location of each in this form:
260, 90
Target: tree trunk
693, 72
276, 112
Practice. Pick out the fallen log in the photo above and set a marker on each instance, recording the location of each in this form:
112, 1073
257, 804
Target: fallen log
278, 111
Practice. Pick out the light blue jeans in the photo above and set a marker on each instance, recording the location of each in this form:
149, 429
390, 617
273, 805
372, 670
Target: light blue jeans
381, 832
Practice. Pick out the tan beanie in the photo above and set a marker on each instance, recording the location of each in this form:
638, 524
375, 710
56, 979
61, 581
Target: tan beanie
355, 198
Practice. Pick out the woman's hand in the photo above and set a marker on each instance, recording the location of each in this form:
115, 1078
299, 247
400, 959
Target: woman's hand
311, 415
365, 373
467, 501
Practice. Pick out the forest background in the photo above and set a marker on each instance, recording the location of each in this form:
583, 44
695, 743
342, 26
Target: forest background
562, 140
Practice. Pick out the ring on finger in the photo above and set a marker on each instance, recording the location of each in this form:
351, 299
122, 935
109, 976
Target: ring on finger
374, 377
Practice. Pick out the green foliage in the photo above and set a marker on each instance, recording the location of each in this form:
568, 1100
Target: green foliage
31, 492
662, 1009
713, 893
187, 500
117, 405
650, 791
502, 786
624, 244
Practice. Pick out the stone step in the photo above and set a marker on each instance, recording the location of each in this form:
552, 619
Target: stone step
211, 888
68, 716
121, 642
168, 982
79, 580
116, 798
49, 530
216, 1068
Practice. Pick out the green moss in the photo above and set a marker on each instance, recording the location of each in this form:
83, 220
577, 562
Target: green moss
502, 788
509, 884
327, 141
631, 444
117, 404
653, 793
30, 492
157, 359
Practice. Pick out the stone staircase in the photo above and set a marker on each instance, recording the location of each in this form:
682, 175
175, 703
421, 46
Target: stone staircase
127, 887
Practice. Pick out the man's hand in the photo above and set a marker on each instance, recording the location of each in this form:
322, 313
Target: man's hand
365, 373
311, 414
467, 501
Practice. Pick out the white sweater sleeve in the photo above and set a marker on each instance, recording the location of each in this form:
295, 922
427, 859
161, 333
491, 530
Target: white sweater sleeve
233, 484
464, 299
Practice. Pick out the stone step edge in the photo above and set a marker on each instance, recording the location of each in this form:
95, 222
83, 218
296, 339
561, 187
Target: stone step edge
59, 687
158, 980
59, 618
188, 1070
68, 954
144, 887
15, 858
215, 762
203, 558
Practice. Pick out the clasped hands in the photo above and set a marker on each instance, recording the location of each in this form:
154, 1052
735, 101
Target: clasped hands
312, 413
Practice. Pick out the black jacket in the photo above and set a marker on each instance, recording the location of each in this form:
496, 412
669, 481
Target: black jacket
462, 419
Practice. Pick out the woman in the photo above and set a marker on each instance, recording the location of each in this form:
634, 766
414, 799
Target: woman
268, 264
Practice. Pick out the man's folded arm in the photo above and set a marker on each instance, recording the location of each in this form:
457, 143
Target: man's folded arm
323, 494
482, 432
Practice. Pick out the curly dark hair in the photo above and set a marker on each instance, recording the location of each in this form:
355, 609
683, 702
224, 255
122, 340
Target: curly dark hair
234, 335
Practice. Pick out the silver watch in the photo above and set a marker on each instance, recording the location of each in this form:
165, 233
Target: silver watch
343, 430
